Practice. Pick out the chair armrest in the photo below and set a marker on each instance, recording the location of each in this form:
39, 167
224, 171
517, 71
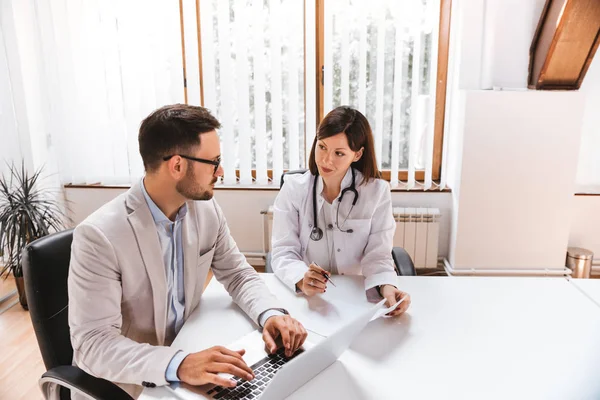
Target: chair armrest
75, 379
403, 262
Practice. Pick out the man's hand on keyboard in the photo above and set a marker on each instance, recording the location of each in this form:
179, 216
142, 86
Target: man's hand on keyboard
291, 333
202, 367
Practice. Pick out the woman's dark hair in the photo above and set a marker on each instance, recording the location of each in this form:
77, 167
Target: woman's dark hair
358, 132
173, 129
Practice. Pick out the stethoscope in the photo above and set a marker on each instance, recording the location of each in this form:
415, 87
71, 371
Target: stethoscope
316, 233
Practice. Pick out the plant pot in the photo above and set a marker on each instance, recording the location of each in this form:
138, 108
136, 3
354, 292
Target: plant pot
21, 291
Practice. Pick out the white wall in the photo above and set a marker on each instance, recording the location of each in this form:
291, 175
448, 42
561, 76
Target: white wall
519, 159
495, 37
509, 26
242, 210
588, 172
500, 191
585, 224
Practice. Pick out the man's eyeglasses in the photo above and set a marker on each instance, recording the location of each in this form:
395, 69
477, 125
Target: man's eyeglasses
216, 162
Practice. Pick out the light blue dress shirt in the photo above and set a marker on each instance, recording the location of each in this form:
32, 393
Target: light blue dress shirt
171, 243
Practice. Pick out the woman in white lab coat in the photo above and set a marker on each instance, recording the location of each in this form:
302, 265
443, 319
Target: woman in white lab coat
337, 217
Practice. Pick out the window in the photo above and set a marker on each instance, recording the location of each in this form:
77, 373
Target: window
270, 69
252, 58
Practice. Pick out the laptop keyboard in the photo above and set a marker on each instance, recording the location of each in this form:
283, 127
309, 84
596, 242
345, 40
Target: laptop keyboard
264, 370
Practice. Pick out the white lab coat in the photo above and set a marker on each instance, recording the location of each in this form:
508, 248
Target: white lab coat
366, 251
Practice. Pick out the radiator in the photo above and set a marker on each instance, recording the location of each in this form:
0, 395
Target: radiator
417, 231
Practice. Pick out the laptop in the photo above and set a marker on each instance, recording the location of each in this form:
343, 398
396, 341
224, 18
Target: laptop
277, 376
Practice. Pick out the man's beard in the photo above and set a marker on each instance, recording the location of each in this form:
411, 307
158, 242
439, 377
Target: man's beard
191, 190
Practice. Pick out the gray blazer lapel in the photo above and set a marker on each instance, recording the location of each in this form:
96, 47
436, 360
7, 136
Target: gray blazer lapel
190, 256
146, 236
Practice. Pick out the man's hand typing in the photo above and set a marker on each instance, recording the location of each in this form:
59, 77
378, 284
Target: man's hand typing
202, 367
291, 333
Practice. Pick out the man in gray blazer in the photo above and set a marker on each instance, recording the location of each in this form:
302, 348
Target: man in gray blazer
139, 265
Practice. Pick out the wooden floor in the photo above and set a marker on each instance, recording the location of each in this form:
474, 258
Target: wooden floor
21, 364
20, 360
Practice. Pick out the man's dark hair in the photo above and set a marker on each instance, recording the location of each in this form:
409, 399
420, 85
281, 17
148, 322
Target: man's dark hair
173, 129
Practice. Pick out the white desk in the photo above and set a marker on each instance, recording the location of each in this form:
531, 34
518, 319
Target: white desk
463, 338
591, 287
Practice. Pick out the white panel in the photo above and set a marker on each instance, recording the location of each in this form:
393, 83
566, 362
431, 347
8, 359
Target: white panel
509, 136
585, 221
227, 113
130, 53
433, 236
362, 63
173, 59
293, 100
116, 133
310, 77
328, 62
452, 92
397, 106
410, 232
345, 63
588, 170
421, 238
433, 15
208, 55
276, 102
414, 107
243, 96
260, 113
400, 217
380, 51
192, 66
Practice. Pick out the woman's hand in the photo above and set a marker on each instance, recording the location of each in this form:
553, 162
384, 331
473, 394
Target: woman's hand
313, 282
392, 295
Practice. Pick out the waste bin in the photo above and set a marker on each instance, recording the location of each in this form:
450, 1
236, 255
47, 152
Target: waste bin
580, 262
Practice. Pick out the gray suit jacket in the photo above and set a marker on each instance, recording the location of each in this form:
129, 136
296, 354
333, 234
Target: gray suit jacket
118, 291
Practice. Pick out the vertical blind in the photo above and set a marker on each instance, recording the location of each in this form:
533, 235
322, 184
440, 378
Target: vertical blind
105, 65
383, 61
253, 68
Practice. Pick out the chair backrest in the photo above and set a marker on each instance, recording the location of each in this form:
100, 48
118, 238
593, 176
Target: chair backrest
45, 271
293, 172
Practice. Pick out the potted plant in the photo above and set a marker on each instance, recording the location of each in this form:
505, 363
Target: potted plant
28, 211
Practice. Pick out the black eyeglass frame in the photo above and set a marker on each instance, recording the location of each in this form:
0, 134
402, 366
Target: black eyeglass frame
216, 162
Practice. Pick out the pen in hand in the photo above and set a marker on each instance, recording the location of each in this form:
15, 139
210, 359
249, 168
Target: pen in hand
325, 275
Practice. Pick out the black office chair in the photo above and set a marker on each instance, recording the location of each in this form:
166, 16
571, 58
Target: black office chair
402, 261
45, 269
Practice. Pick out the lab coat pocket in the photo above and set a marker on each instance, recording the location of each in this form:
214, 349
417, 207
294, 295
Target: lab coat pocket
356, 238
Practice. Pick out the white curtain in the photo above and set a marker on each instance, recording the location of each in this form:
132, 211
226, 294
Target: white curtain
10, 147
103, 66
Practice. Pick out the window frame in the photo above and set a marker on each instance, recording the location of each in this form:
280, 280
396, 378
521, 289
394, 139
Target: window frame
441, 81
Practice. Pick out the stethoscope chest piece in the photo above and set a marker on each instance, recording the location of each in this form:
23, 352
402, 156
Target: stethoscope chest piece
316, 233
